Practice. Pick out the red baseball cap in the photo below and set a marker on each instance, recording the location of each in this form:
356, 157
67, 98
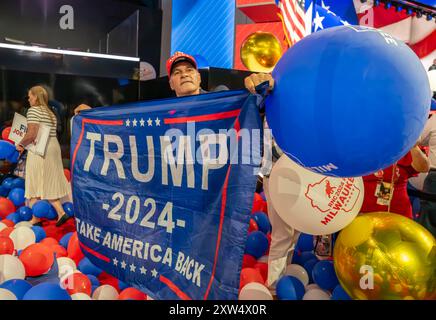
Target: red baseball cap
178, 57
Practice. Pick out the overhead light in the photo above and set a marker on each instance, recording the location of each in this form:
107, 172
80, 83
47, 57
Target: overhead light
388, 5
409, 11
429, 17
399, 8
376, 3
67, 52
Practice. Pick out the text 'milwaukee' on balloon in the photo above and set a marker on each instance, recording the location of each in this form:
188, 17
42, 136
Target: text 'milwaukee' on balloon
348, 101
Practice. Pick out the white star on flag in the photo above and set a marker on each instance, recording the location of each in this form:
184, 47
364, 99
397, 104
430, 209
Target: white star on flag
157, 121
142, 122
345, 23
128, 123
324, 6
123, 265
134, 122
115, 261
132, 268
143, 270
150, 122
318, 22
154, 273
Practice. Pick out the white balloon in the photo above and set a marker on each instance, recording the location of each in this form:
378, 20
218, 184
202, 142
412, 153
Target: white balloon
316, 294
22, 237
105, 292
432, 79
312, 286
149, 298
298, 272
23, 224
66, 266
255, 291
313, 203
80, 296
11, 268
7, 295
2, 226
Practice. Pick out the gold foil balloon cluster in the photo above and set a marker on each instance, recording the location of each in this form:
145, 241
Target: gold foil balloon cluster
260, 52
386, 256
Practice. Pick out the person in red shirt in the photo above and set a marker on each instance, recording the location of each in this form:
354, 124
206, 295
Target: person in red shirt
385, 192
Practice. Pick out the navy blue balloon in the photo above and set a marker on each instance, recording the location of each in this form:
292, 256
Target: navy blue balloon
6, 149
18, 183
52, 214
41, 209
324, 275
4, 191
47, 291
305, 242
14, 217
257, 244
39, 233
262, 222
65, 239
94, 280
68, 208
17, 286
335, 92
308, 266
340, 294
302, 257
25, 213
87, 267
16, 195
7, 183
13, 157
289, 288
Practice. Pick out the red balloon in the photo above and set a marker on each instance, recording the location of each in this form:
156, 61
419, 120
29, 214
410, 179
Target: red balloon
78, 283
6, 231
49, 241
59, 251
250, 275
67, 174
133, 294
263, 269
106, 278
5, 134
257, 197
74, 251
260, 205
9, 223
6, 245
248, 261
252, 226
6, 207
37, 259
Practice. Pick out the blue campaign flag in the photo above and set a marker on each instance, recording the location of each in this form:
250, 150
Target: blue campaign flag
344, 9
328, 14
163, 191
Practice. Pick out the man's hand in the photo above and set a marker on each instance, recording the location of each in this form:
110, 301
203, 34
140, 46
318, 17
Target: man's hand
20, 149
81, 108
255, 79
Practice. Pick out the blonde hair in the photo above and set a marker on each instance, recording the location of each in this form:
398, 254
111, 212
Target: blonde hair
42, 101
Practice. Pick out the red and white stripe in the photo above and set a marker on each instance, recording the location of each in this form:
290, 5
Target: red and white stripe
294, 20
419, 34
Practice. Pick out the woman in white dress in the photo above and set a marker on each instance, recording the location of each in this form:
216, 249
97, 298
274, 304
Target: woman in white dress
45, 179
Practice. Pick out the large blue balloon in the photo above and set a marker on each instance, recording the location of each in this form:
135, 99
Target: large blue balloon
4, 191
13, 157
52, 214
41, 209
324, 275
65, 239
14, 217
340, 294
87, 267
305, 242
7, 183
68, 208
348, 101
289, 288
17, 286
257, 244
39, 233
25, 213
6, 149
16, 195
18, 183
302, 257
47, 291
308, 266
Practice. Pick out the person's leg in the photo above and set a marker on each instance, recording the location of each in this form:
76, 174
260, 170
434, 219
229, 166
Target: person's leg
283, 240
62, 216
34, 219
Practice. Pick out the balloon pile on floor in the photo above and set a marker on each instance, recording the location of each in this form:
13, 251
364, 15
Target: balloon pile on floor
35, 260
306, 278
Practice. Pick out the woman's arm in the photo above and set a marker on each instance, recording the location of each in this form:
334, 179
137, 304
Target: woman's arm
31, 134
419, 160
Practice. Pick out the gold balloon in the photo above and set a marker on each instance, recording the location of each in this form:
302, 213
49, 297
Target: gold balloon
385, 256
261, 51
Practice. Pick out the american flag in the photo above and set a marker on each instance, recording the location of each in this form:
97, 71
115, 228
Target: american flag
296, 21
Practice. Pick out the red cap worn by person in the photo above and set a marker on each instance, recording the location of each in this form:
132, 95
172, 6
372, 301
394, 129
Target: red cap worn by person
179, 57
